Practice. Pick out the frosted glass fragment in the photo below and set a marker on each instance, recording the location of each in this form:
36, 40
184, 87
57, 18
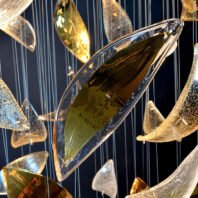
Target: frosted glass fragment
72, 30
180, 184
22, 31
11, 115
138, 186
189, 10
22, 184
37, 131
34, 162
9, 9
116, 22
105, 180
108, 93
182, 120
50, 117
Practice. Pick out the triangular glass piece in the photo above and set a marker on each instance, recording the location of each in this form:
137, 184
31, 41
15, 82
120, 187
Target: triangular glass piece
183, 119
116, 22
180, 184
105, 180
72, 30
138, 186
22, 31
189, 10
34, 162
109, 91
21, 183
11, 9
37, 131
11, 115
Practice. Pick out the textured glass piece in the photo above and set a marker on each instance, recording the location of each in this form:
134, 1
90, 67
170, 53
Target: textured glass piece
37, 131
11, 115
105, 180
138, 186
22, 31
22, 184
9, 9
180, 184
182, 120
116, 21
109, 90
34, 162
72, 30
189, 10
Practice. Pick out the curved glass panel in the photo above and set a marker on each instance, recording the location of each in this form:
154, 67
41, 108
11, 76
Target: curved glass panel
189, 10
111, 84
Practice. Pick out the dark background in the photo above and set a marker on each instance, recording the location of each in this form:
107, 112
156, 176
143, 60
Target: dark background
42, 79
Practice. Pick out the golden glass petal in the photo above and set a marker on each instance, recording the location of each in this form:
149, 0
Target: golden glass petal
182, 120
22, 31
105, 180
180, 184
23, 184
189, 10
11, 115
72, 30
37, 131
34, 162
116, 21
9, 9
138, 186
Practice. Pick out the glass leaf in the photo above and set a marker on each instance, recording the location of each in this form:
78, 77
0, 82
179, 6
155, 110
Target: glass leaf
37, 131
105, 180
138, 186
22, 31
183, 119
9, 9
34, 162
11, 115
72, 30
109, 91
189, 10
116, 22
180, 184
21, 183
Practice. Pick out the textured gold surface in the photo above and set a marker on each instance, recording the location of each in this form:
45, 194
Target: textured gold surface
189, 10
138, 186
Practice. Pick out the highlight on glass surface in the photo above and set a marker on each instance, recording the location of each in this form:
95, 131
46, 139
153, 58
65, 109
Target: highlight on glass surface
37, 131
105, 180
34, 162
189, 10
116, 21
182, 120
21, 183
110, 89
180, 184
11, 115
72, 30
138, 186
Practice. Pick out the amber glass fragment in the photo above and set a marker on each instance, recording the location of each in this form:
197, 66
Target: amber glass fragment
189, 10
72, 30
180, 184
23, 184
37, 131
182, 120
138, 186
34, 162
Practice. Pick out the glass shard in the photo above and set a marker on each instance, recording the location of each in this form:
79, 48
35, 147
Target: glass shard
138, 186
34, 162
72, 30
189, 10
105, 180
37, 131
109, 91
9, 9
22, 31
178, 185
20, 183
182, 120
11, 115
116, 22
